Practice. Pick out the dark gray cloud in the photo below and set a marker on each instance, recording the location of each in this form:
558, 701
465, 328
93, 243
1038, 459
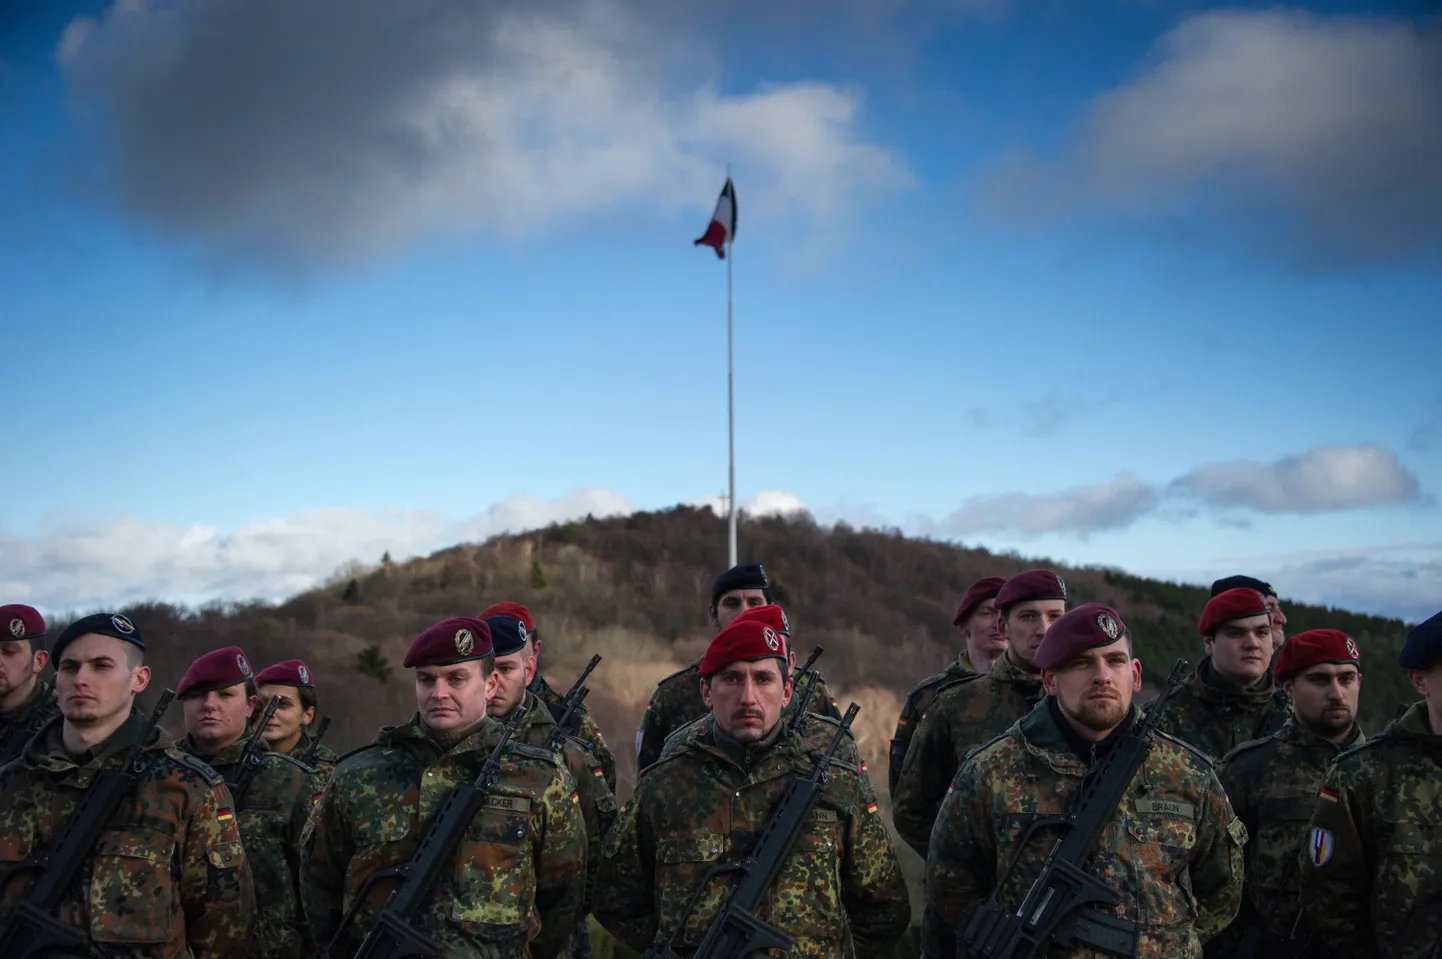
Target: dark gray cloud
1316, 134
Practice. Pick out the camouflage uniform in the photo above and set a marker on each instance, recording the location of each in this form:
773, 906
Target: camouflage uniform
1272, 784
1377, 829
318, 756
840, 892
598, 804
677, 701
972, 711
918, 701
518, 877
1173, 848
581, 727
18, 725
168, 878
272, 816
1217, 717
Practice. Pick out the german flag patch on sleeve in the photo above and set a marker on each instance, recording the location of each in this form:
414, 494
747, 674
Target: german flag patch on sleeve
225, 814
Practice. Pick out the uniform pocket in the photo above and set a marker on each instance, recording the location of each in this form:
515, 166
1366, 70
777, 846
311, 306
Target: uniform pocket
132, 899
379, 842
495, 878
682, 861
1161, 853
806, 899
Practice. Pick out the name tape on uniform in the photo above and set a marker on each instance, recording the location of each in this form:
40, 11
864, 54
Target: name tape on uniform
509, 803
1166, 807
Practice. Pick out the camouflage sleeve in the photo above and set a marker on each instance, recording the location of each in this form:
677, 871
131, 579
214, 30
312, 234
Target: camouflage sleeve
625, 900
326, 851
560, 851
301, 806
598, 807
925, 776
961, 862
823, 703
590, 733
651, 737
872, 888
216, 890
1336, 878
1216, 866
900, 741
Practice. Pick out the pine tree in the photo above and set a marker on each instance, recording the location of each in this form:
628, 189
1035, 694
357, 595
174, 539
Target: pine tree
352, 592
538, 575
370, 662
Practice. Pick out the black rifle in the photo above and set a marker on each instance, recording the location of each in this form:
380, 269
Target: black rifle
312, 748
574, 698
736, 932
809, 674
32, 932
394, 936
1060, 908
253, 756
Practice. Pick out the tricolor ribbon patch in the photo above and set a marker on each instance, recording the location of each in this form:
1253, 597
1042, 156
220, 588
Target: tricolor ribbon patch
1320, 845
871, 806
1329, 794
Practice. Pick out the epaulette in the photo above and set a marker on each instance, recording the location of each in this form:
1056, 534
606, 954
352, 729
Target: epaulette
356, 751
1245, 747
196, 765
307, 769
948, 675
533, 752
952, 683
976, 749
1206, 760
829, 719
1377, 740
676, 674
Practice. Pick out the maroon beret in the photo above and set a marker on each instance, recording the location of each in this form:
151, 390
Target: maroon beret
21, 622
451, 641
1233, 604
1031, 585
977, 593
768, 615
292, 672
742, 641
217, 669
1312, 648
1089, 626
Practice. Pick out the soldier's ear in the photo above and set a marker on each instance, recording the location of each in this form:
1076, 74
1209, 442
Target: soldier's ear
41, 658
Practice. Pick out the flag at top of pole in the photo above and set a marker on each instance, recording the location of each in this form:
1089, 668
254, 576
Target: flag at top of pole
722, 229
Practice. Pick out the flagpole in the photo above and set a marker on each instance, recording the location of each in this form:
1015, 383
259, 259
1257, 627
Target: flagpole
730, 395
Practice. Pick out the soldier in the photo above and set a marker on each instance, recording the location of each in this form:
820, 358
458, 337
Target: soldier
581, 727
1372, 862
677, 699
1269, 595
515, 667
1273, 784
982, 645
839, 893
218, 697
168, 876
976, 709
27, 702
1171, 850
1230, 697
289, 730
519, 875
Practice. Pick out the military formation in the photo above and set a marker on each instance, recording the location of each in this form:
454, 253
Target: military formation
1240, 812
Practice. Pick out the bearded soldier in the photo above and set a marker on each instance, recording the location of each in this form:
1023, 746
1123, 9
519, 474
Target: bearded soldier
27, 702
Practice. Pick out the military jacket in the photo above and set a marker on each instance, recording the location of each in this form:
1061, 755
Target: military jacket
972, 711
318, 756
18, 725
1217, 717
581, 727
167, 879
1372, 862
918, 701
677, 701
1172, 850
1272, 784
840, 892
272, 815
518, 878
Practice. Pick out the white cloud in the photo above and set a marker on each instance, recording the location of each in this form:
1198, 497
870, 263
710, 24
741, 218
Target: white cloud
337, 130
1318, 132
1322, 479
1082, 510
764, 503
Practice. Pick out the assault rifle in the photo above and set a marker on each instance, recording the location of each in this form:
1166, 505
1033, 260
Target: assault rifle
253, 756
312, 749
575, 696
736, 932
394, 936
809, 674
32, 932
1060, 908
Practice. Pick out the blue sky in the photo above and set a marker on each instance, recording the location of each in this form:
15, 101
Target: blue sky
1156, 287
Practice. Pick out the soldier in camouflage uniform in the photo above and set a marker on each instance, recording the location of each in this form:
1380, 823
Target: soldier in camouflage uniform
1172, 849
677, 699
976, 621
1372, 862
581, 726
27, 702
840, 892
1273, 784
976, 709
1231, 697
515, 664
289, 731
518, 880
1269, 596
219, 698
168, 877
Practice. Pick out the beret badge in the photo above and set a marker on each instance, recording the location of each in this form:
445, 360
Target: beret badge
1352, 649
304, 674
773, 642
17, 627
521, 628
121, 623
1109, 625
1061, 586
785, 623
465, 642
244, 666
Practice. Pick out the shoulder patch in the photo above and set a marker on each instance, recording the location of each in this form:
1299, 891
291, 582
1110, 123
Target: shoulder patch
537, 753
195, 765
1205, 759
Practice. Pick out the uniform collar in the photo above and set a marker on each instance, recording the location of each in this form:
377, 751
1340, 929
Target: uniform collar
1211, 687
39, 691
1293, 731
1007, 670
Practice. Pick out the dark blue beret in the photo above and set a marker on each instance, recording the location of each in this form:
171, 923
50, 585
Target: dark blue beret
745, 576
1424, 645
508, 634
105, 624
1242, 582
